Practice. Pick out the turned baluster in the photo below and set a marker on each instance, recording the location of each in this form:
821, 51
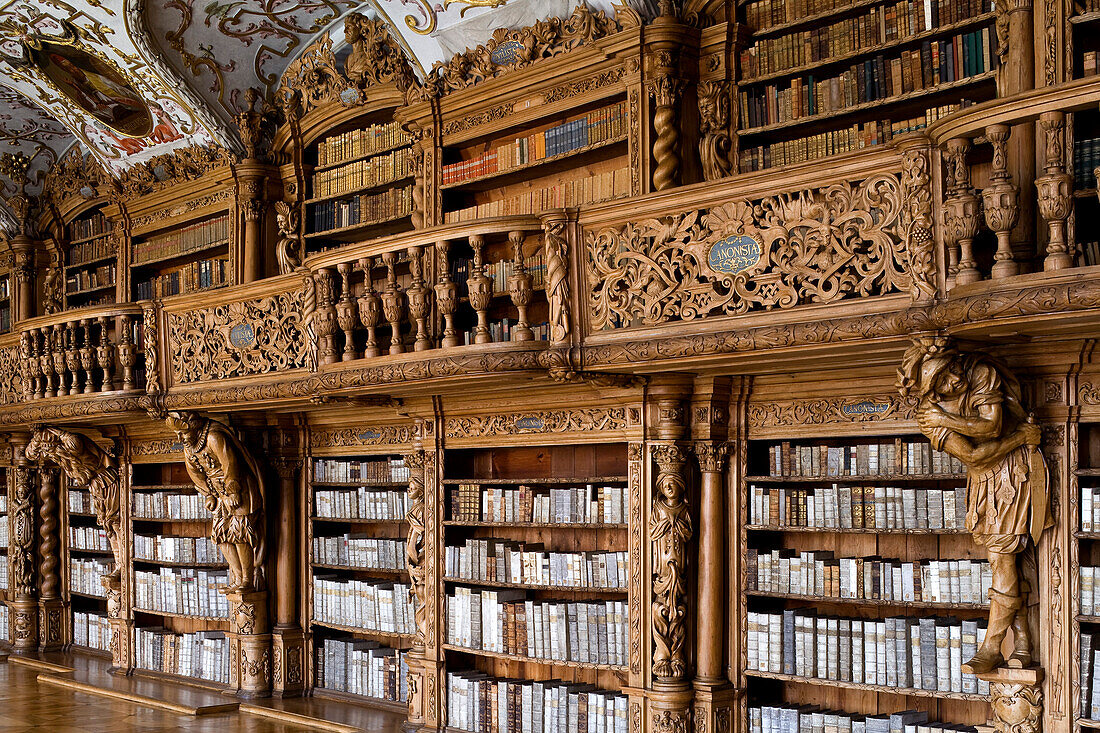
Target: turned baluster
45, 363
26, 351
324, 320
70, 358
1002, 209
481, 291
446, 296
1055, 190
392, 302
519, 286
105, 355
345, 311
419, 300
87, 356
962, 212
127, 353
370, 308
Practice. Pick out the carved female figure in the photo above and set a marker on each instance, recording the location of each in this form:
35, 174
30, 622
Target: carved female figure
969, 405
670, 530
288, 250
225, 473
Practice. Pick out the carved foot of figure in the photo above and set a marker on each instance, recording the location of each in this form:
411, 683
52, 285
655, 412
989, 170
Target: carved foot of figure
1021, 644
1002, 612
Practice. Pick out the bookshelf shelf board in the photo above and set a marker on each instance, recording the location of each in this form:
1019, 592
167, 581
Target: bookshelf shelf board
532, 525
530, 586
913, 38
164, 487
357, 158
886, 101
386, 635
1089, 723
1088, 619
353, 229
88, 595
88, 291
388, 183
169, 519
188, 254
82, 240
1088, 472
368, 484
861, 479
533, 481
89, 650
179, 564
881, 689
1085, 18
169, 614
356, 520
1084, 193
364, 700
533, 660
870, 602
471, 182
77, 514
811, 19
378, 571
852, 530
89, 551
93, 261
1082, 535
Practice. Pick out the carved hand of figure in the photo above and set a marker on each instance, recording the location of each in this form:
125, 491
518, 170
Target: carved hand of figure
930, 417
232, 500
1032, 433
211, 503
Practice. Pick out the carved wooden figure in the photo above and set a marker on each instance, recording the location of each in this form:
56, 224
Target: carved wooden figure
970, 406
288, 250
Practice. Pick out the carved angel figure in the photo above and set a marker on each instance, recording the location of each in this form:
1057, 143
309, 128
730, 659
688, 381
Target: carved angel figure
85, 464
229, 478
52, 289
970, 406
288, 250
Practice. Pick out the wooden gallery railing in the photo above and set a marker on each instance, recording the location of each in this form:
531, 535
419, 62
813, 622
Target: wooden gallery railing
90, 351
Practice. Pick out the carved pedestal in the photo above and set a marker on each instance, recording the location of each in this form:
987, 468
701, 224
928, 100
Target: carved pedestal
249, 644
24, 613
1016, 697
288, 660
51, 635
426, 678
670, 708
122, 627
714, 706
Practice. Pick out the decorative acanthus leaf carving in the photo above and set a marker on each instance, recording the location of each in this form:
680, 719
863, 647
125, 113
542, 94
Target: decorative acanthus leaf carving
161, 171
669, 530
916, 223
22, 531
544, 421
715, 143
360, 435
827, 410
818, 246
414, 547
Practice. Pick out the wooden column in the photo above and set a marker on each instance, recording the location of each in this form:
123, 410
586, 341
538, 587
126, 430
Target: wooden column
24, 606
251, 204
287, 637
1016, 49
23, 276
50, 636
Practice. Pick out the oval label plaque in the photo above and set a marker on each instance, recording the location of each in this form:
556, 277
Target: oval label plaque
866, 407
242, 335
733, 255
506, 53
369, 435
530, 422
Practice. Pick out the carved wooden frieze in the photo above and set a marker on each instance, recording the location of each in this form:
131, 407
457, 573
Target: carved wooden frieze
199, 202
155, 447
178, 166
821, 246
827, 410
545, 421
362, 435
243, 338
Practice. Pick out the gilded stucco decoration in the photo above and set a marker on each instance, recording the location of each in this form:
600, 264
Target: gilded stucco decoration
820, 246
238, 339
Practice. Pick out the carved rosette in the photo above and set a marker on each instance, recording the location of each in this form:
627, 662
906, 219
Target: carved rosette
670, 531
414, 546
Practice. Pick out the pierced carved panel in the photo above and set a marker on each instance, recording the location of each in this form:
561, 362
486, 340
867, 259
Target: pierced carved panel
544, 421
11, 376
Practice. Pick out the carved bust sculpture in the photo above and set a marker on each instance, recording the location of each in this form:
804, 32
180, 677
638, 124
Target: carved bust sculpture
363, 55
288, 250
969, 405
85, 464
227, 476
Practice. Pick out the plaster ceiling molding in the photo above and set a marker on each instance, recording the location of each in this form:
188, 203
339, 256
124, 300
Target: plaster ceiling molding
99, 34
224, 47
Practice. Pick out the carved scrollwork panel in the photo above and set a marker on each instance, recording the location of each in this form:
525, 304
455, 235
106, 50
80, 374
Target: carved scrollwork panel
830, 410
360, 435
544, 421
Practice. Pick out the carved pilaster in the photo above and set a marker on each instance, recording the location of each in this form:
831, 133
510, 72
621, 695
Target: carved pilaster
665, 90
414, 546
288, 662
24, 607
1000, 199
287, 638
670, 531
152, 348
917, 220
121, 624
1055, 189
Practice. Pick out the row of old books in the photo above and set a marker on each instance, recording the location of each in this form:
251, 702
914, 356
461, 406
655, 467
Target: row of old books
498, 273
181, 240
1090, 509
363, 668
506, 623
81, 280
375, 171
1088, 256
361, 503
1086, 157
176, 549
1090, 676
763, 14
366, 208
86, 575
359, 551
90, 251
1090, 591
185, 279
869, 578
589, 189
859, 507
4, 575
879, 25
343, 470
202, 655
183, 591
79, 502
363, 141
899, 457
385, 607
834, 142
169, 505
592, 128
902, 652
91, 630
5, 622
3, 532
5, 314
504, 329
88, 538
588, 504
879, 78
483, 704
3, 504
90, 226
5, 286
501, 561
811, 719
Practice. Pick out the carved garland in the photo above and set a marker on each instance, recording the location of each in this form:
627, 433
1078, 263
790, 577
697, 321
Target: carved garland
361, 435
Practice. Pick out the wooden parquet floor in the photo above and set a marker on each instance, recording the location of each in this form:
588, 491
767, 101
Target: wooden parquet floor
28, 705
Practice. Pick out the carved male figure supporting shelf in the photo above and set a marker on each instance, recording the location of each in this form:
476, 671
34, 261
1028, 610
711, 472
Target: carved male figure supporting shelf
970, 406
227, 475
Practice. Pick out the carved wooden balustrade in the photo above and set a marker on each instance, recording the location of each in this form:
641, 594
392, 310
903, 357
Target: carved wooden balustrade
90, 351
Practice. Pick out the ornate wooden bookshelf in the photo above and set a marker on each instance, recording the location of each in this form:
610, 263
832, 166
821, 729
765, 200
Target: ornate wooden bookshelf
82, 598
184, 259
91, 260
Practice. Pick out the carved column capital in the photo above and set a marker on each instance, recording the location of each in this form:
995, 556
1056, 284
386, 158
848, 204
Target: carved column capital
711, 455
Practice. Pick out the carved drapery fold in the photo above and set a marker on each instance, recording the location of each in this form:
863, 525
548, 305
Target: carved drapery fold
670, 530
556, 256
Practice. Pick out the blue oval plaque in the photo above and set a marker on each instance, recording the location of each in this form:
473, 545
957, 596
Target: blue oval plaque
866, 407
506, 53
370, 435
531, 422
242, 335
733, 255
177, 446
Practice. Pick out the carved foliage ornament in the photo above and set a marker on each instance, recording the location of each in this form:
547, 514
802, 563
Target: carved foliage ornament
161, 171
916, 223
828, 410
544, 421
819, 246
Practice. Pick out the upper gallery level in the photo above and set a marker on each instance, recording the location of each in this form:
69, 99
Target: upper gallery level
588, 198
